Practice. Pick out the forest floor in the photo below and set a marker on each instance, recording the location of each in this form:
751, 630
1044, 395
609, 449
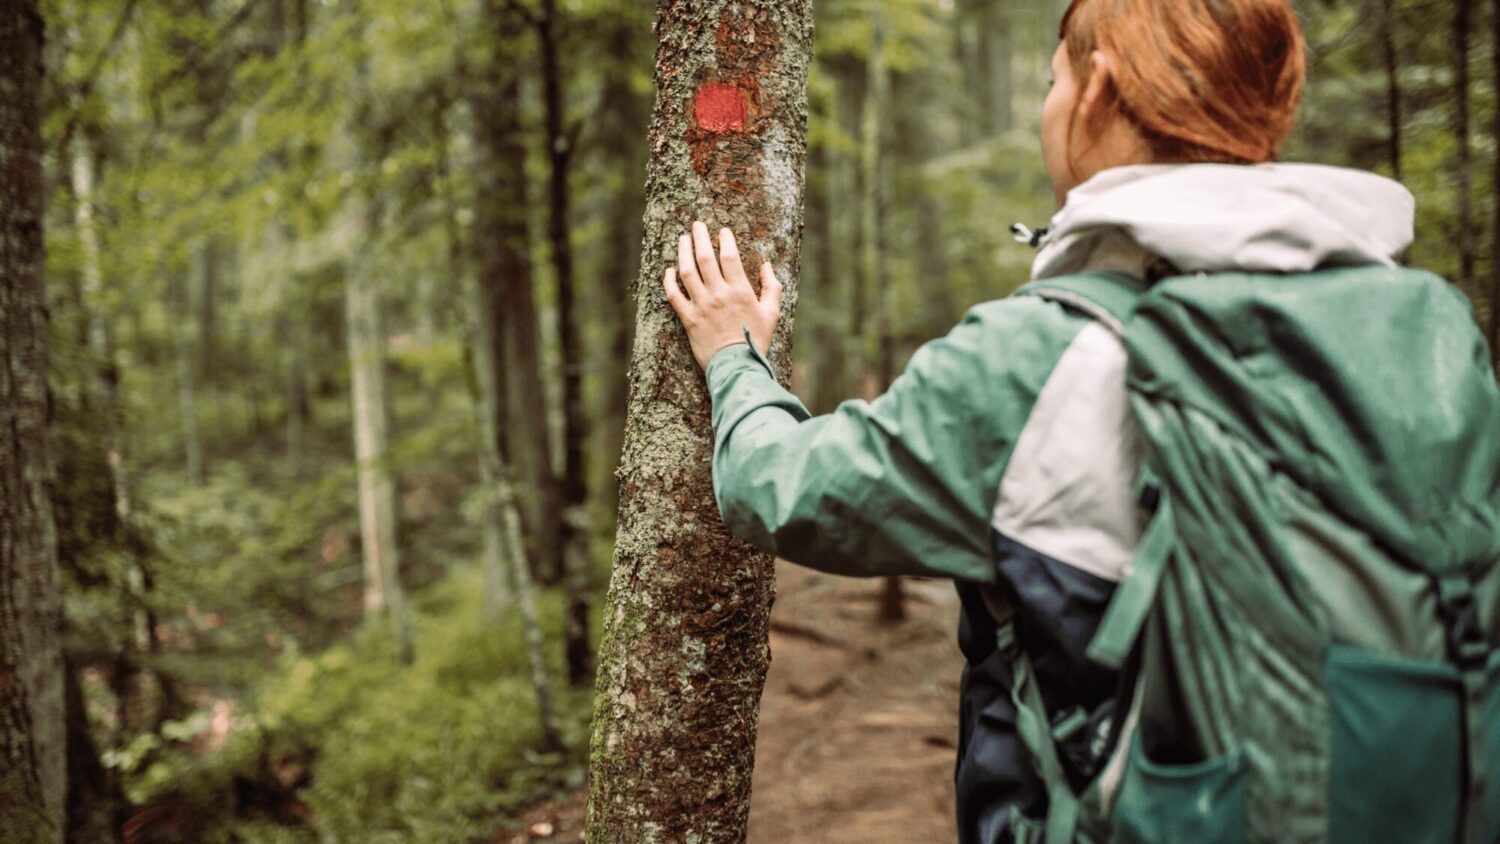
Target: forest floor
858, 723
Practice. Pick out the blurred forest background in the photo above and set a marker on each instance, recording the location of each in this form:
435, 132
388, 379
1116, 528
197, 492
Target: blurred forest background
279, 234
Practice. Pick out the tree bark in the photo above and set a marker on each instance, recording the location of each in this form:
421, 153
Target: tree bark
685, 652
1464, 165
32, 734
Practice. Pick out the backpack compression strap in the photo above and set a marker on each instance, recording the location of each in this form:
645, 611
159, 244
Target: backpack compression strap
1469, 649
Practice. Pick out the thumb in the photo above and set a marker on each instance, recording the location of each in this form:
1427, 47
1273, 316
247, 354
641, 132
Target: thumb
770, 290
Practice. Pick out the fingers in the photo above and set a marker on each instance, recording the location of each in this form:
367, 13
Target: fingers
729, 260
770, 291
675, 296
703, 251
688, 270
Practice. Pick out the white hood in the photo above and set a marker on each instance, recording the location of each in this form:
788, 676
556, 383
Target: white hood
1272, 218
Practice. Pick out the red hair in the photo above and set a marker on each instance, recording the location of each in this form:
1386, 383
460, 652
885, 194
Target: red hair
1202, 80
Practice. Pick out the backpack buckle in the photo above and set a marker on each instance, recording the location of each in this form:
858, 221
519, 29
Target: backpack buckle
1467, 645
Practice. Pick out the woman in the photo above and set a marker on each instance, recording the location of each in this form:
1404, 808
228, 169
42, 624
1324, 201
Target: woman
1006, 456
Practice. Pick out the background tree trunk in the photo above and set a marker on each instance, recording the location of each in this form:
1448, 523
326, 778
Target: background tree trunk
1464, 166
621, 130
574, 489
187, 377
1385, 17
377, 488
873, 240
94, 797
504, 547
32, 738
1495, 239
504, 257
685, 652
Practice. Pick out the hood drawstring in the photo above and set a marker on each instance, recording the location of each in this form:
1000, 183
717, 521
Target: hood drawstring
1023, 234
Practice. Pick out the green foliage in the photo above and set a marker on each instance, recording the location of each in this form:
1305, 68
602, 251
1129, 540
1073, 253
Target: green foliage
361, 749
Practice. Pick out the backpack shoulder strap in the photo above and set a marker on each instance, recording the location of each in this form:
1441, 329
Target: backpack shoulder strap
1110, 297
1107, 296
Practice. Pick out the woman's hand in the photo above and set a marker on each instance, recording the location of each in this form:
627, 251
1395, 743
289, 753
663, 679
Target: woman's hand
719, 301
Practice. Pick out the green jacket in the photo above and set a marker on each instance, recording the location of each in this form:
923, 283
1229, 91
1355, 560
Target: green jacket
903, 485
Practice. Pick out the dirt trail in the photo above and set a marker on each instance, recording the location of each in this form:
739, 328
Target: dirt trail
857, 725
859, 721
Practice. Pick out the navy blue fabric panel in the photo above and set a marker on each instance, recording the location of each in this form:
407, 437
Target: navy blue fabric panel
993, 775
1057, 609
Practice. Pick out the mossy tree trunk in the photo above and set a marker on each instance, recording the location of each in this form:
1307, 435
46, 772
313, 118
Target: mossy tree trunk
32, 738
685, 652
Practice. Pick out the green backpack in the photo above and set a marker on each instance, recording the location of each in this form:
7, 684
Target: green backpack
1309, 632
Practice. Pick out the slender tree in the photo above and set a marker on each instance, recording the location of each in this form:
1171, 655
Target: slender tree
574, 488
187, 377
685, 652
1384, 14
32, 737
621, 131
383, 595
874, 171
504, 548
504, 258
1464, 164
1495, 218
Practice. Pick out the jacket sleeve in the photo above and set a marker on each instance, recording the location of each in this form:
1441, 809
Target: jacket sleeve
902, 485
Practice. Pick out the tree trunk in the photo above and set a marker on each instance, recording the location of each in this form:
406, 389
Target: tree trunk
377, 488
1385, 17
575, 516
872, 244
622, 130
1464, 167
32, 737
985, 78
187, 405
94, 797
503, 254
505, 550
1003, 89
1495, 238
685, 652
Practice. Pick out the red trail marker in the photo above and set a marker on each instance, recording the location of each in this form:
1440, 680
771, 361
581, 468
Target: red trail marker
719, 107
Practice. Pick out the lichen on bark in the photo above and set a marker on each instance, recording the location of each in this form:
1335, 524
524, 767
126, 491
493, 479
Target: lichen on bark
684, 654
